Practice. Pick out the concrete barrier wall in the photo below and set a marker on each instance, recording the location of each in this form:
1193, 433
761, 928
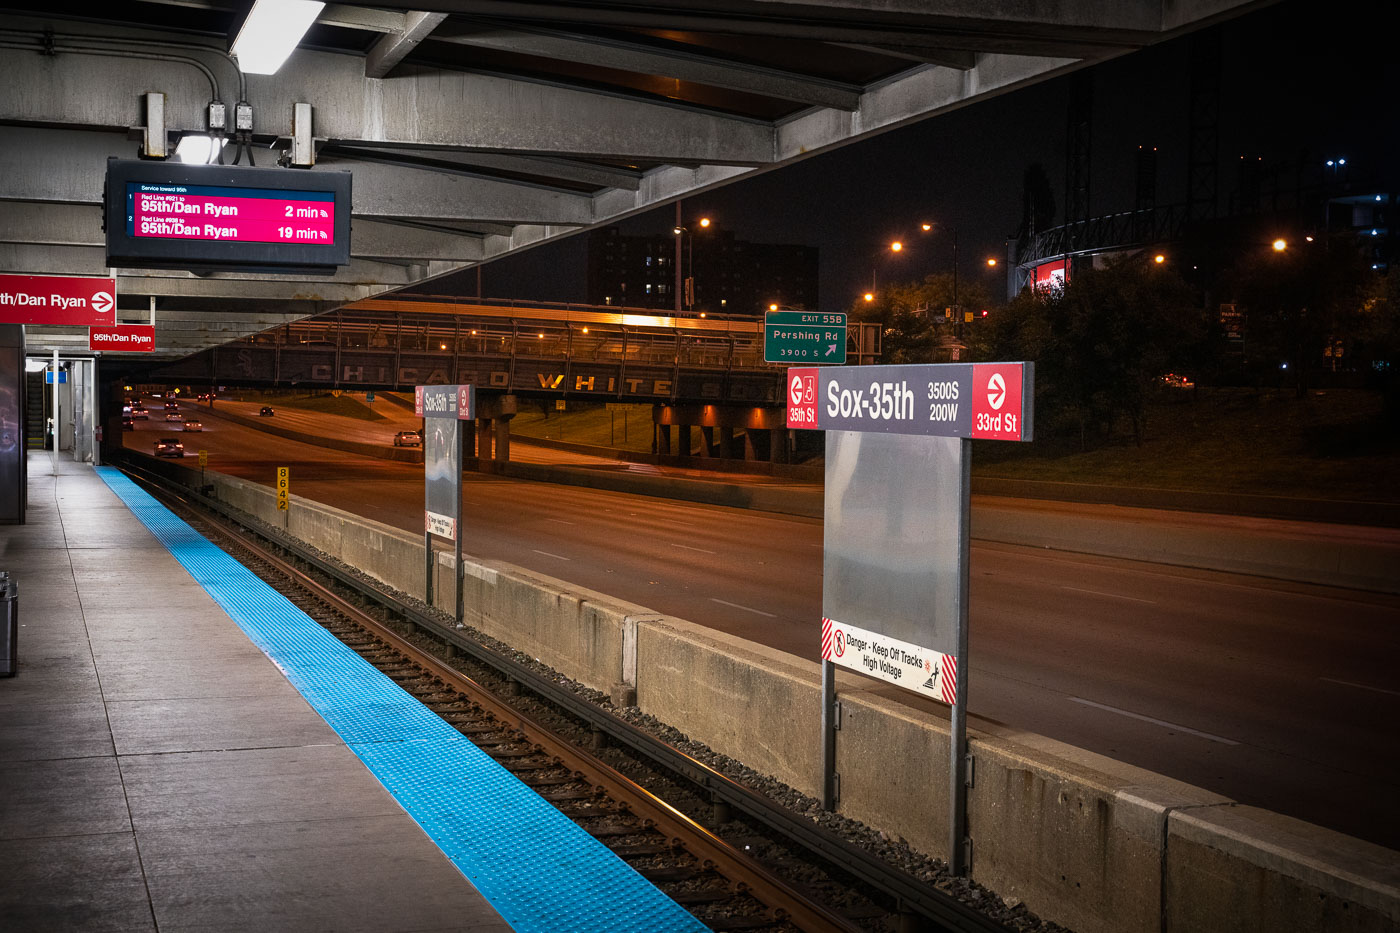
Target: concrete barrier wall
1096, 845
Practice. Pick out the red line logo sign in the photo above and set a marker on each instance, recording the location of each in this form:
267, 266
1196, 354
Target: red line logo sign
802, 398
996, 402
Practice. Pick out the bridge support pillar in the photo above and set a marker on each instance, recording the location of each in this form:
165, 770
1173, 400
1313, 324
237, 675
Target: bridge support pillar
683, 440
483, 438
726, 442
663, 440
781, 445
503, 438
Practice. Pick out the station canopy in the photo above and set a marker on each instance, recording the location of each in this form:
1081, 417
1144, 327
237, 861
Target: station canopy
477, 128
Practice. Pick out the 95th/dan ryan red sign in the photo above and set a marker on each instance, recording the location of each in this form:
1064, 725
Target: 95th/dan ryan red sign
58, 299
130, 338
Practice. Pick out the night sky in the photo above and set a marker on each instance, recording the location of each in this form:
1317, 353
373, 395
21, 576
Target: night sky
1296, 89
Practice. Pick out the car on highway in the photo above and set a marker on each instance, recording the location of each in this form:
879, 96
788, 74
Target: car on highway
408, 439
174, 416
169, 447
139, 413
193, 425
172, 406
128, 424
266, 412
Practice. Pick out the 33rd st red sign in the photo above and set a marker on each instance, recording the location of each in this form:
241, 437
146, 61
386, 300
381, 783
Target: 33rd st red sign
58, 299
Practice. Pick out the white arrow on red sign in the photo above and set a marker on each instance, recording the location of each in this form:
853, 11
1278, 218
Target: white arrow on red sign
102, 302
996, 391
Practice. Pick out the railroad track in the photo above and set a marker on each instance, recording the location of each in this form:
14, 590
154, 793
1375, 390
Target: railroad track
592, 767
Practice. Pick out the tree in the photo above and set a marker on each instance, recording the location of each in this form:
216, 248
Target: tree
912, 315
1100, 344
1302, 303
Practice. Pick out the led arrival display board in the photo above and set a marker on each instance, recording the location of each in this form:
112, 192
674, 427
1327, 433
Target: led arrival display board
167, 215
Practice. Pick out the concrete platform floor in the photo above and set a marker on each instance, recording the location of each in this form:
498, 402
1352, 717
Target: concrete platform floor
158, 772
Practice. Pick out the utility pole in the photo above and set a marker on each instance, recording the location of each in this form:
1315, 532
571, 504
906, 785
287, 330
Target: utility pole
679, 233
957, 309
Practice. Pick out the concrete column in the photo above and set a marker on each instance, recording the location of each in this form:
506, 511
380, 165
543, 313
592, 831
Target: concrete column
750, 453
683, 440
726, 442
503, 439
663, 439
707, 441
781, 451
483, 438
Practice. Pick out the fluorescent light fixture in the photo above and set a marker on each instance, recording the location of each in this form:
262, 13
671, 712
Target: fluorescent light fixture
196, 148
270, 33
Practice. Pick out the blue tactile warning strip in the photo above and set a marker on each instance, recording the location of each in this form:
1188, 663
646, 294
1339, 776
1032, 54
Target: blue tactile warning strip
539, 870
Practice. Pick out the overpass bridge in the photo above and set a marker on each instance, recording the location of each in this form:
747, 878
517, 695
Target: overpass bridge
543, 350
703, 373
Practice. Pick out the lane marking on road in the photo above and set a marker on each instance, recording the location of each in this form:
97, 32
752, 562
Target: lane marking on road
547, 554
1348, 683
686, 547
1155, 722
759, 612
560, 521
1135, 599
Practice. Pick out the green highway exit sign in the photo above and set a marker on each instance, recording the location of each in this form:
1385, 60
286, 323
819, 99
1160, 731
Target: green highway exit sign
804, 336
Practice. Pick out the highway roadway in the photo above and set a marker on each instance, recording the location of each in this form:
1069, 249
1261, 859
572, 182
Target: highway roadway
1280, 695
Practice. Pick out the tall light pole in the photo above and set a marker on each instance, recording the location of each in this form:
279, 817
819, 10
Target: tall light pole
679, 230
683, 232
895, 246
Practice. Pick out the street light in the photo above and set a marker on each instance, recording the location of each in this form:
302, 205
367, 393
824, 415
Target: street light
895, 246
957, 309
1280, 245
682, 232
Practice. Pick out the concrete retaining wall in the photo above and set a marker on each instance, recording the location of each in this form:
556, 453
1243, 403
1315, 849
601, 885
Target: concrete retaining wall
1096, 845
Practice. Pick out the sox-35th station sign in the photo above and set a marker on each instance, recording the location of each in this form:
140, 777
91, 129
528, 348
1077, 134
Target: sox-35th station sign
895, 551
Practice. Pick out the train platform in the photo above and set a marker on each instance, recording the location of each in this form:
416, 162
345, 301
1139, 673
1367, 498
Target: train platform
182, 749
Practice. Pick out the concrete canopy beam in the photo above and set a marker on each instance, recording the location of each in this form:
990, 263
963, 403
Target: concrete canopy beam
1078, 28
371, 239
429, 107
26, 259
56, 165
58, 224
913, 96
681, 65
391, 49
601, 176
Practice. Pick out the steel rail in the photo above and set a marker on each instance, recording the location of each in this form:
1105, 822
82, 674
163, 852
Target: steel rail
682, 831
914, 895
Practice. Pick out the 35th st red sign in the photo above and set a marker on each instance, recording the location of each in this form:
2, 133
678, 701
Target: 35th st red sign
58, 299
129, 338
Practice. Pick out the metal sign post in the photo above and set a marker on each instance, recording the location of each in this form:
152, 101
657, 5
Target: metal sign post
896, 533
442, 408
57, 421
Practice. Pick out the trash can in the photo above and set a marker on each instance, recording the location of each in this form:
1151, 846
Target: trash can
9, 624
